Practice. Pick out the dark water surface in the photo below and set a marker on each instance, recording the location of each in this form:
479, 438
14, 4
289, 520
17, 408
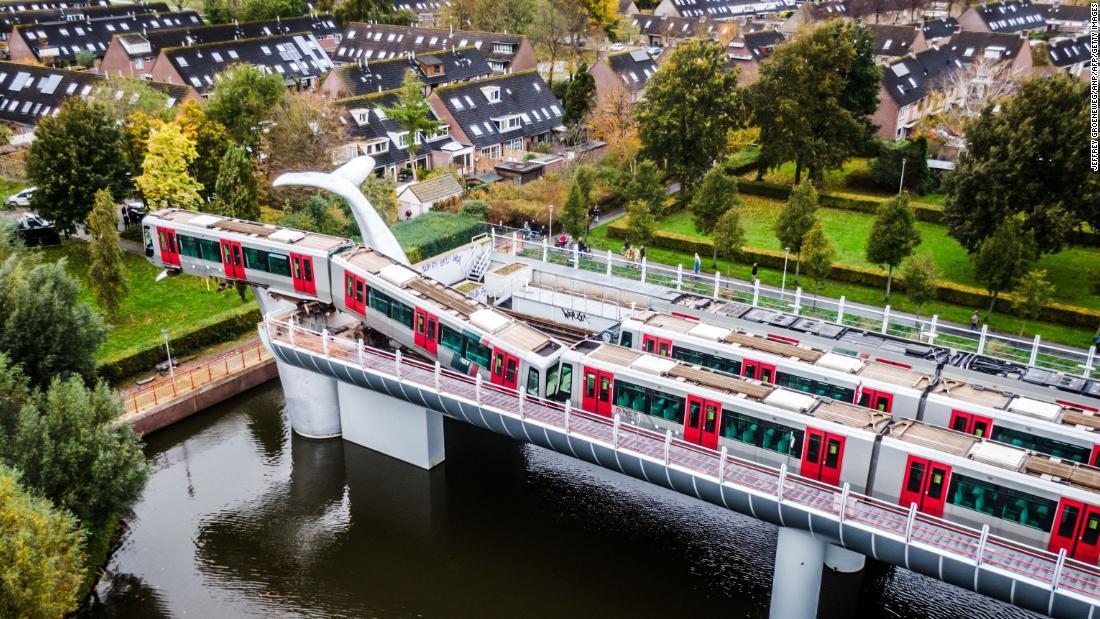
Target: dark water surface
242, 519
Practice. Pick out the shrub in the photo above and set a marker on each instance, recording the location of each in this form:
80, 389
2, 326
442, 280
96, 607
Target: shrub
476, 209
433, 233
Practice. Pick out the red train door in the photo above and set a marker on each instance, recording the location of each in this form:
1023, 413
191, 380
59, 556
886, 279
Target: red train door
757, 370
233, 260
1095, 455
878, 400
169, 251
596, 391
971, 424
702, 421
925, 483
425, 330
823, 456
504, 370
657, 345
355, 293
301, 271
1077, 530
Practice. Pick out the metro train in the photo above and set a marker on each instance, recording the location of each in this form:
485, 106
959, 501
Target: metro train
1058, 428
1029, 497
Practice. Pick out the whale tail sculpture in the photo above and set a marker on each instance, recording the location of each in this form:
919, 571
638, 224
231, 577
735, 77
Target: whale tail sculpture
344, 182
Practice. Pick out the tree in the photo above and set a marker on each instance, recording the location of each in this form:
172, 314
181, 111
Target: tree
211, 139
43, 326
41, 554
382, 196
919, 276
613, 122
326, 215
893, 236
579, 97
235, 190
574, 215
166, 181
645, 185
122, 96
815, 96
716, 195
1026, 160
412, 112
692, 103
242, 99
640, 223
981, 82
349, 11
912, 155
477, 209
1033, 292
15, 391
107, 273
262, 10
557, 26
85, 59
818, 254
1003, 258
729, 235
135, 140
796, 219
75, 154
68, 448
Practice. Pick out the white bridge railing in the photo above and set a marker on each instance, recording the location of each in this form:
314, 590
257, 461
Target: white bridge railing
1028, 352
976, 547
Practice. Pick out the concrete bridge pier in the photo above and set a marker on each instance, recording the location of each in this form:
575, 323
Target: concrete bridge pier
796, 584
397, 428
842, 560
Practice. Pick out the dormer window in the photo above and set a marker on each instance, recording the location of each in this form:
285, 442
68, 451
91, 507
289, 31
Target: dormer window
508, 123
361, 116
502, 48
492, 93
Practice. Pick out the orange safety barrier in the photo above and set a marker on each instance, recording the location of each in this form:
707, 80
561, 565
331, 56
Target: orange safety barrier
185, 381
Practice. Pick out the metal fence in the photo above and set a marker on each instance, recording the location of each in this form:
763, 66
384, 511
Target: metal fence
1029, 352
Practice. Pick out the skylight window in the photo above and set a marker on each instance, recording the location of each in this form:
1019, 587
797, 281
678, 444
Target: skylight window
266, 50
475, 129
182, 61
233, 54
469, 101
217, 57
456, 103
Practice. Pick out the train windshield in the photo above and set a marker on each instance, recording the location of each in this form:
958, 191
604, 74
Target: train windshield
559, 382
148, 241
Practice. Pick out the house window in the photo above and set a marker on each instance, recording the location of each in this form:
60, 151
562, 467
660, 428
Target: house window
492, 152
502, 48
516, 144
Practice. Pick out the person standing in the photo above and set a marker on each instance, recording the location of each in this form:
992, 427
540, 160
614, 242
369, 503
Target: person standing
974, 321
698, 264
755, 268
641, 254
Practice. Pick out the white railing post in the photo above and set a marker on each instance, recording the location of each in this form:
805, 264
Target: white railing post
840, 310
397, 363
515, 244
909, 522
797, 300
545, 248
1034, 350
782, 480
722, 464
1058, 567
981, 545
668, 446
932, 328
679, 277
609, 258
885, 319
437, 377
477, 389
981, 339
717, 283
1089, 360
615, 432
755, 292
643, 269
290, 330
359, 353
324, 341
576, 256
844, 501
522, 400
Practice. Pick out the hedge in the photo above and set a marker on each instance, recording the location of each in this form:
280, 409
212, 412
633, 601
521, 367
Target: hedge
434, 233
216, 329
949, 292
923, 212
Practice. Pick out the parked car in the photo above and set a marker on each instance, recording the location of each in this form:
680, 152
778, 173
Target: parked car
617, 47
655, 51
21, 198
37, 232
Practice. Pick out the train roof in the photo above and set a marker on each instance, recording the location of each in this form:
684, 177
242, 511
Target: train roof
278, 234
735, 386
996, 454
1021, 405
458, 305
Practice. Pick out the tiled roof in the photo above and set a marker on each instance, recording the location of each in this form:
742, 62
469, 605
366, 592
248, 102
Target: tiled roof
318, 25
761, 44
1064, 12
381, 41
970, 46
1011, 16
674, 27
457, 66
43, 5
434, 189
940, 28
912, 78
727, 9
418, 6
366, 121
829, 9
1069, 51
10, 19
525, 108
29, 92
292, 56
633, 68
62, 40
892, 40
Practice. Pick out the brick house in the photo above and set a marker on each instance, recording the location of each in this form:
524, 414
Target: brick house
60, 42
505, 53
434, 69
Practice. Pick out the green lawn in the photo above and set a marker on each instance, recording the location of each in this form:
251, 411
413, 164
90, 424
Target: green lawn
839, 182
8, 187
848, 230
150, 306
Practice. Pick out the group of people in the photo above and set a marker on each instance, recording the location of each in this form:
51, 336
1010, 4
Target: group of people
129, 216
533, 230
633, 254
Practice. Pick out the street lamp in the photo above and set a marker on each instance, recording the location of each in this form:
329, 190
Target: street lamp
550, 227
171, 370
786, 253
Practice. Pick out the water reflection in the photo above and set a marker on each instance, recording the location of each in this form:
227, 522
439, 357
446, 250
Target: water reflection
241, 518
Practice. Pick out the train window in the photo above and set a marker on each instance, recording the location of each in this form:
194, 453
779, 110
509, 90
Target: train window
533, 382
711, 418
189, 246
256, 259
1067, 526
452, 340
916, 477
626, 339
1092, 529
477, 353
278, 264
832, 454
816, 387
706, 360
511, 369
559, 382
763, 434
211, 250
1031, 511
649, 401
974, 494
590, 385
813, 451
1004, 503
1041, 444
350, 283
935, 487
148, 241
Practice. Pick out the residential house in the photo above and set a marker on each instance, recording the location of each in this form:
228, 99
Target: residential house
505, 53
59, 42
426, 11
627, 8
297, 58
668, 31
43, 5
813, 12
913, 88
435, 69
1011, 50
937, 31
749, 50
501, 117
1071, 56
1069, 18
133, 54
371, 132
418, 198
893, 42
31, 92
10, 19
1012, 16
721, 9
629, 71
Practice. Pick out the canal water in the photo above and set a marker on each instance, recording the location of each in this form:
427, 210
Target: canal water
241, 518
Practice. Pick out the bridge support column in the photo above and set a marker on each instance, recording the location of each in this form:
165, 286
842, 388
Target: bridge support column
797, 580
397, 428
842, 560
